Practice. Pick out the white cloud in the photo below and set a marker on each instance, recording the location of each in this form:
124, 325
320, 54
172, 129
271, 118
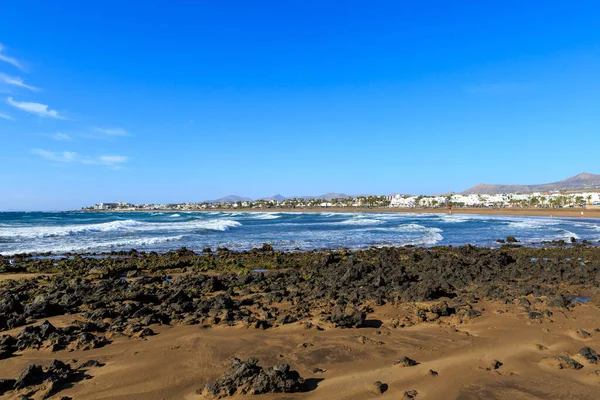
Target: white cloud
10, 60
6, 116
65, 156
34, 108
113, 160
112, 131
61, 137
16, 81
72, 157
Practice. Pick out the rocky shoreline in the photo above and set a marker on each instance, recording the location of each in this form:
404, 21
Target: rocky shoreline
132, 296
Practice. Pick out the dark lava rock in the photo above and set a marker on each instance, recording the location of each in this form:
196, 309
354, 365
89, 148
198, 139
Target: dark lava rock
90, 364
246, 377
55, 376
410, 394
266, 247
348, 317
86, 341
378, 387
406, 362
557, 301
523, 302
582, 333
6, 385
43, 310
589, 354
511, 239
8, 345
565, 362
534, 315
31, 375
496, 364
432, 373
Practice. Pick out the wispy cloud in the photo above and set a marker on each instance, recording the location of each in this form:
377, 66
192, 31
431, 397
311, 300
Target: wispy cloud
111, 131
65, 156
34, 108
16, 81
10, 60
112, 161
63, 137
6, 116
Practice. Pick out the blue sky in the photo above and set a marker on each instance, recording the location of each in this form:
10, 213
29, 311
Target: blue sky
185, 101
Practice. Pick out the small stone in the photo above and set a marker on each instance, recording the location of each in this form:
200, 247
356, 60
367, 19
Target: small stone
410, 394
589, 354
378, 387
582, 334
406, 362
90, 364
565, 362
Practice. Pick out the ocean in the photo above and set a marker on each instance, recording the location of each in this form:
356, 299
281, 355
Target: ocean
61, 232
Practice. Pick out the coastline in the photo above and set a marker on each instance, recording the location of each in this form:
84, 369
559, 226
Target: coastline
529, 212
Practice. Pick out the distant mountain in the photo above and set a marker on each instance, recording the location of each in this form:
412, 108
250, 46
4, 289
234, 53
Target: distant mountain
327, 196
331, 196
583, 181
231, 199
276, 197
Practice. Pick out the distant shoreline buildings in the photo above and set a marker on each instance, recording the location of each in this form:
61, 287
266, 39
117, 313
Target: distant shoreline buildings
506, 200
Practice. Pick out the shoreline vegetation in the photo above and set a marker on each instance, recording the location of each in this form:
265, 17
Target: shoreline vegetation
401, 322
589, 212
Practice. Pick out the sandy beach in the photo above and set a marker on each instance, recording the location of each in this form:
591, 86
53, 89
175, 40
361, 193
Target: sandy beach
465, 323
177, 362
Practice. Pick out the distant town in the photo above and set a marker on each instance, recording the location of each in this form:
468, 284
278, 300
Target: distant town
507, 200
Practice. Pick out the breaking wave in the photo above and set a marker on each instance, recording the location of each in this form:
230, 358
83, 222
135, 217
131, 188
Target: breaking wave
359, 221
266, 216
58, 248
114, 226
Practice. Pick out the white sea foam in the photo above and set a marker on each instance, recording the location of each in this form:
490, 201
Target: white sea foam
416, 228
214, 225
428, 239
174, 215
454, 219
62, 247
565, 234
266, 216
415, 234
359, 221
532, 224
36, 232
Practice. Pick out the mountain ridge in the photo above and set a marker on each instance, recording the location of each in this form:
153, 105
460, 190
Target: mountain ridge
581, 181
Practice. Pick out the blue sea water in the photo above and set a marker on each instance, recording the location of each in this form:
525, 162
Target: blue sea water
60, 232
